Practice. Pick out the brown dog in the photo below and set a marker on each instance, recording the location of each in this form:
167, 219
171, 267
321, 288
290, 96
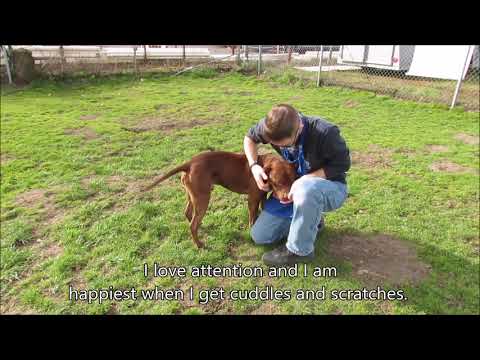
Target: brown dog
231, 171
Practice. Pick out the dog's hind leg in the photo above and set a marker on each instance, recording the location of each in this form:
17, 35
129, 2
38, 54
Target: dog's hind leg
200, 205
199, 196
189, 208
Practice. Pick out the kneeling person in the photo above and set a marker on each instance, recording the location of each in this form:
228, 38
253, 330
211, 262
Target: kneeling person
321, 158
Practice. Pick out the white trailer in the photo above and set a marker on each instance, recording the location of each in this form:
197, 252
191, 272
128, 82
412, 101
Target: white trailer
388, 57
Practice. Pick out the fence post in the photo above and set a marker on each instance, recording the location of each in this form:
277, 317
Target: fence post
183, 54
135, 59
320, 65
459, 82
7, 63
238, 54
259, 63
246, 52
62, 59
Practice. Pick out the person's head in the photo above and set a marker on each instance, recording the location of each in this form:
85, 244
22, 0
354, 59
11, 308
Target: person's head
282, 125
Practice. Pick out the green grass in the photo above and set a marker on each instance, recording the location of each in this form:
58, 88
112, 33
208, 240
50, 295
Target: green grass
385, 82
106, 228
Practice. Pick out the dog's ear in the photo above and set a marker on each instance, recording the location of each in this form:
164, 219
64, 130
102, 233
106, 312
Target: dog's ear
267, 168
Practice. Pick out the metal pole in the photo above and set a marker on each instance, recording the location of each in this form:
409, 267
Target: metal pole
238, 54
183, 54
135, 58
7, 63
62, 59
459, 82
259, 63
320, 65
246, 52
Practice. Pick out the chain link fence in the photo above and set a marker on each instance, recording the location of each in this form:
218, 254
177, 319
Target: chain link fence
58, 61
419, 73
403, 71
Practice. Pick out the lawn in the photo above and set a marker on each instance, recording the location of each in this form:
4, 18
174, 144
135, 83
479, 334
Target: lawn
390, 83
76, 153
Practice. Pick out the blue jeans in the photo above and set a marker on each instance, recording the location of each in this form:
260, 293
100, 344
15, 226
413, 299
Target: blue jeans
311, 198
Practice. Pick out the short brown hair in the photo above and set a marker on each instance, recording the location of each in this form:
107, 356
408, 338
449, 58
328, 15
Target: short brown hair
280, 122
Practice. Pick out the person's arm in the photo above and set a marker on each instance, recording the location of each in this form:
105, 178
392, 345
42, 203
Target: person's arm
250, 142
251, 151
336, 153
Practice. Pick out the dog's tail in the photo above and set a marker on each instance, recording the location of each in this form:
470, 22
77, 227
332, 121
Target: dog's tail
183, 167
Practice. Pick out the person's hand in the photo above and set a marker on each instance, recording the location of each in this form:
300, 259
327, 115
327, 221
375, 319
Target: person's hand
260, 177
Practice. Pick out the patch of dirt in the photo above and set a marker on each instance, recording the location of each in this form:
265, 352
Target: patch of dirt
12, 307
51, 250
4, 158
115, 179
437, 148
448, 166
242, 254
386, 307
406, 152
374, 157
125, 189
43, 199
474, 242
245, 93
88, 117
43, 252
78, 282
467, 139
113, 310
30, 198
129, 186
125, 185
267, 308
379, 259
166, 126
351, 104
85, 132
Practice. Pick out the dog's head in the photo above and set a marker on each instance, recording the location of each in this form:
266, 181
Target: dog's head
281, 175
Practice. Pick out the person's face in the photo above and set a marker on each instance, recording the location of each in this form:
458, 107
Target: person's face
290, 141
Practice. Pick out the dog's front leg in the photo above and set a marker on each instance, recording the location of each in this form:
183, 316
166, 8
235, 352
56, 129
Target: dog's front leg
253, 202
